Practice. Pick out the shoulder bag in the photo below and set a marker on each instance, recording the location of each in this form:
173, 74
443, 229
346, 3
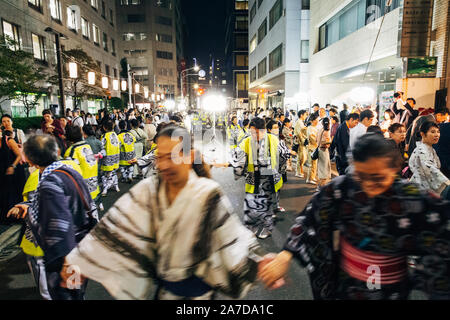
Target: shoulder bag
315, 154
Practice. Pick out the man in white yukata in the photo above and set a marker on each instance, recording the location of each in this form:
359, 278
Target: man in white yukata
177, 229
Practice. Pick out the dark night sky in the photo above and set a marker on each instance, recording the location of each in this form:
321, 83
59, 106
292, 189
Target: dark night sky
206, 29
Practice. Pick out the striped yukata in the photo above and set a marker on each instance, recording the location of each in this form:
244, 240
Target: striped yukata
192, 248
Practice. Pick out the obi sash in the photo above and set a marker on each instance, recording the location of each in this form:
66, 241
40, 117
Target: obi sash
361, 265
189, 288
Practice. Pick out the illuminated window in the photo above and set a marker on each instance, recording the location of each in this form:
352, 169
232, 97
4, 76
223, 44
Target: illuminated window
55, 9
38, 47
253, 43
12, 31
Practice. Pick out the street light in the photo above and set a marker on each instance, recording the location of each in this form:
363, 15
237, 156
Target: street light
215, 104
196, 68
58, 36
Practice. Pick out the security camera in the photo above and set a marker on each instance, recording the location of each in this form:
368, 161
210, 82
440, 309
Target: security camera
391, 67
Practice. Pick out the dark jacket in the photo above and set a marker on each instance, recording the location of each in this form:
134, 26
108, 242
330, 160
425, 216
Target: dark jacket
343, 115
443, 148
63, 222
341, 143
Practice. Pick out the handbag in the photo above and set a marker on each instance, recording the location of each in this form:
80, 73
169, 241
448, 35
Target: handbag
315, 154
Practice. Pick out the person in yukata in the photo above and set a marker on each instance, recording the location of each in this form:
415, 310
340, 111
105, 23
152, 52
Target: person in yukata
176, 229
355, 235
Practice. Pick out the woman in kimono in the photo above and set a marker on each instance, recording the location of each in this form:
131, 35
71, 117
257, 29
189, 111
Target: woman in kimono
176, 229
425, 163
272, 128
355, 235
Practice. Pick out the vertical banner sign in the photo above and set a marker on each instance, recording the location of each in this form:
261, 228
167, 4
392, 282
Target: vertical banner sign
416, 28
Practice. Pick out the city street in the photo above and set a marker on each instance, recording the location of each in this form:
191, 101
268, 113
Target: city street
16, 281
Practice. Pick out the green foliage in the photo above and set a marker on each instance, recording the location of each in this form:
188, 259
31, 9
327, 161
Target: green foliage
27, 123
19, 75
116, 103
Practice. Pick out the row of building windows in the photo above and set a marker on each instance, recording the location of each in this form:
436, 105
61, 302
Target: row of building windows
353, 17
165, 72
274, 16
275, 61
140, 18
241, 4
166, 4
56, 11
38, 45
55, 8
164, 55
139, 36
13, 32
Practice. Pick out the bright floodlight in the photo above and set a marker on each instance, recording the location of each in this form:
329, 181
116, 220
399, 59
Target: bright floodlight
214, 103
170, 104
196, 68
73, 70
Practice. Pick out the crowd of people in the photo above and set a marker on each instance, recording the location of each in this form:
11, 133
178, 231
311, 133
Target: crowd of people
389, 200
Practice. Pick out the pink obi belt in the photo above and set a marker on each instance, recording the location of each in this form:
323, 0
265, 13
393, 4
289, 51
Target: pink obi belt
363, 265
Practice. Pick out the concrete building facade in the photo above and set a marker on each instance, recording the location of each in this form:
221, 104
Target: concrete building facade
236, 52
89, 25
348, 65
278, 53
151, 39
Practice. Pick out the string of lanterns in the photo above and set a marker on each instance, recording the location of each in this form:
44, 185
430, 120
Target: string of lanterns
116, 85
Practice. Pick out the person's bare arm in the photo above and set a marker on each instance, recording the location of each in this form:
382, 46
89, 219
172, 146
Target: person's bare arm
18, 153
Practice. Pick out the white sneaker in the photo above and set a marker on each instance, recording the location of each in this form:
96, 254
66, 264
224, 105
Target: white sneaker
100, 206
117, 189
311, 182
104, 193
299, 175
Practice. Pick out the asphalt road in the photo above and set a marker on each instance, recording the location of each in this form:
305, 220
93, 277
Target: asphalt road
16, 282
